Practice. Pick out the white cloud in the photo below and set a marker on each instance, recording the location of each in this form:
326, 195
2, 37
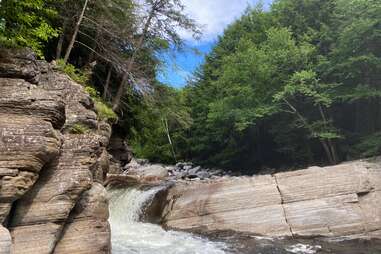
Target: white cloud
214, 15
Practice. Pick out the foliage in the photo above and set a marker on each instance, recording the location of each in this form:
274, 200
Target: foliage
296, 85
105, 112
27, 23
367, 146
75, 74
159, 125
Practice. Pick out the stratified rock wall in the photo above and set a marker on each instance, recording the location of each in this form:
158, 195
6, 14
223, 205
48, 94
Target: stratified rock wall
51, 198
331, 201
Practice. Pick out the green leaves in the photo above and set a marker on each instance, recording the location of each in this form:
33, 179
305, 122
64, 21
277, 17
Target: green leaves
28, 23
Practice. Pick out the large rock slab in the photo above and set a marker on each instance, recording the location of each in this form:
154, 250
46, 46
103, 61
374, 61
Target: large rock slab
333, 216
371, 207
249, 204
318, 182
339, 200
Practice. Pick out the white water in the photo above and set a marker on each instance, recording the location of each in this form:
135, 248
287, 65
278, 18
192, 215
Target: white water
129, 236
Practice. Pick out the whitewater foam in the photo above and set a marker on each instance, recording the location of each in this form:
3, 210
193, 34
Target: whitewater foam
130, 236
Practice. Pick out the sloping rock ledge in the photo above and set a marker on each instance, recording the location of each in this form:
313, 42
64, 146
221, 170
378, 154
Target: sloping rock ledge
340, 200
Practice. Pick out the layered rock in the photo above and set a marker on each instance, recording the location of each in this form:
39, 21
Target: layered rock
331, 201
50, 177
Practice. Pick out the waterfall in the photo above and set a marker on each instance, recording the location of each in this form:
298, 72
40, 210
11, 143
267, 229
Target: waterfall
130, 236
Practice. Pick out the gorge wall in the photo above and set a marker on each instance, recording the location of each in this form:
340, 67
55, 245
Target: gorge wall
51, 195
331, 201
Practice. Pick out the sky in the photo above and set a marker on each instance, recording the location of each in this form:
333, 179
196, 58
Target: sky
213, 16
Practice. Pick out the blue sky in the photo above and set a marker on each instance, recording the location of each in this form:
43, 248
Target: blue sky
214, 16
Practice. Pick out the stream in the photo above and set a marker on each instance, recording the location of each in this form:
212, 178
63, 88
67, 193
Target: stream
131, 236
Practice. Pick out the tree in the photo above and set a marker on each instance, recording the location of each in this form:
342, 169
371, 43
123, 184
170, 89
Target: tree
76, 29
306, 85
160, 23
27, 23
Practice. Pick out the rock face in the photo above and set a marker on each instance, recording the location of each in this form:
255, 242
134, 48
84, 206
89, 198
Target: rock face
331, 201
49, 178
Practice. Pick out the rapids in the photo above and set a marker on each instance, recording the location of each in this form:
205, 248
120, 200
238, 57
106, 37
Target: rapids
130, 236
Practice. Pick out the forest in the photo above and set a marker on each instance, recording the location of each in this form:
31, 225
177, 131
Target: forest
295, 85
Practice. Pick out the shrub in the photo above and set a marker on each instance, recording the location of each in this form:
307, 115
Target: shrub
105, 112
74, 73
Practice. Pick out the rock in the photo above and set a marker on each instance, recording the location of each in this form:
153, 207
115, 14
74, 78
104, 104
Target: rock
53, 175
203, 175
133, 164
119, 149
228, 205
5, 241
149, 170
19, 63
193, 171
90, 218
339, 200
142, 161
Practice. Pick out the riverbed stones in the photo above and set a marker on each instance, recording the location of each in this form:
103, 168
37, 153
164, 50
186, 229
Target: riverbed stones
330, 201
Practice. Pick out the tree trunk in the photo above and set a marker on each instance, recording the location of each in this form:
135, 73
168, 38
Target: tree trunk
76, 29
165, 123
95, 45
107, 84
120, 92
327, 152
61, 40
333, 158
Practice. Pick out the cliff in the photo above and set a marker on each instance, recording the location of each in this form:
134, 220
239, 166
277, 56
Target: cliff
51, 195
340, 200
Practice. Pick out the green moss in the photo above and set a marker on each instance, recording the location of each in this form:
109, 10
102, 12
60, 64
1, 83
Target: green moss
79, 128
